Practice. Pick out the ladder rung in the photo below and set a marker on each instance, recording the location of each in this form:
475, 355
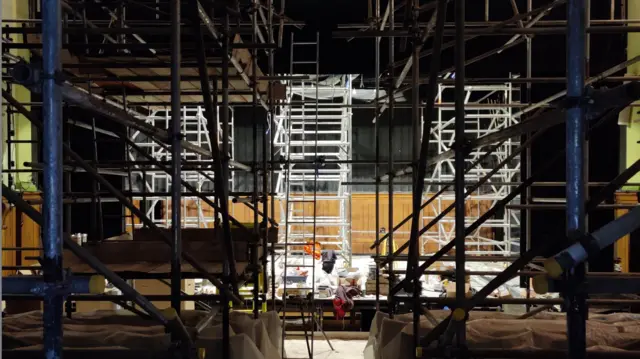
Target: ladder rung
304, 43
324, 198
291, 265
310, 117
306, 288
304, 63
309, 123
318, 223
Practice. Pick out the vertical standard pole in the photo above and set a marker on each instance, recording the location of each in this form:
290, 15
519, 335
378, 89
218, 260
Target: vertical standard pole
67, 179
226, 271
10, 126
575, 301
265, 166
176, 157
315, 189
415, 124
459, 165
421, 165
414, 251
254, 115
52, 154
96, 202
377, 150
525, 171
265, 174
587, 44
390, 111
272, 188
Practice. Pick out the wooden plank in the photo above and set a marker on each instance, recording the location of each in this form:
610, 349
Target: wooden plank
242, 55
154, 251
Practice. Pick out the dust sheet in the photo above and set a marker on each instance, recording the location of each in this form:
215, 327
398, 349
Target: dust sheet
392, 338
250, 338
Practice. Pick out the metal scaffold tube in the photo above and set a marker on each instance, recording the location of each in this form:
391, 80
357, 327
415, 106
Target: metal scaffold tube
474, 187
391, 114
128, 204
271, 136
500, 204
376, 130
52, 152
422, 152
114, 111
418, 158
460, 210
176, 157
254, 115
575, 298
229, 270
525, 170
521, 261
463, 152
15, 199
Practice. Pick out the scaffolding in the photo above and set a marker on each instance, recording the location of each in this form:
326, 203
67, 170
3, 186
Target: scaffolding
313, 135
195, 131
488, 109
321, 160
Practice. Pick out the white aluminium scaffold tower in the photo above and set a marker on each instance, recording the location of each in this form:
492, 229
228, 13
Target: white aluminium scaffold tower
488, 109
316, 112
194, 130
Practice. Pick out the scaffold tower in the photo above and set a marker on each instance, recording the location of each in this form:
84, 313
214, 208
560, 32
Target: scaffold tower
488, 109
315, 113
158, 183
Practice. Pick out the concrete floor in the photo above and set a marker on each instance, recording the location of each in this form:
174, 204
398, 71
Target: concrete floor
344, 349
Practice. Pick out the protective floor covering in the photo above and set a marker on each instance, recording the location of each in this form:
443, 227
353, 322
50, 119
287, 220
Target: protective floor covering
251, 339
392, 338
342, 349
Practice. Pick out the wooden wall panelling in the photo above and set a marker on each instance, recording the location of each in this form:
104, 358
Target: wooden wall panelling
622, 247
363, 218
8, 236
136, 220
30, 235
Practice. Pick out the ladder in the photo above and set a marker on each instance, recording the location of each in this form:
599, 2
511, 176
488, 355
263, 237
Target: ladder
313, 135
298, 128
296, 208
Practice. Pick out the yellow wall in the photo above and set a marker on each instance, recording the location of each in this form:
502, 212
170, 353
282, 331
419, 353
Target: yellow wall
17, 9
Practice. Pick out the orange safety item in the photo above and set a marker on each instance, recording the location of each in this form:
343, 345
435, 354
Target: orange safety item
317, 253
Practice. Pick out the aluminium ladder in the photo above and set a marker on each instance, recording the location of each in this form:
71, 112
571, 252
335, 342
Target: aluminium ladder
299, 142
313, 135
